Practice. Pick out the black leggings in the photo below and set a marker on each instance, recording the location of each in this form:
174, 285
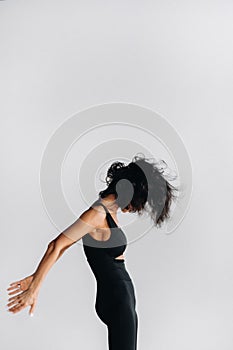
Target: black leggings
115, 306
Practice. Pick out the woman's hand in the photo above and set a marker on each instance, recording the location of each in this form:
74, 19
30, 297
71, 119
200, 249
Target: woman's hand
24, 299
20, 285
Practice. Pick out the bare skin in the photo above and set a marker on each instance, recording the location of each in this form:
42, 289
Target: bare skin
25, 291
102, 232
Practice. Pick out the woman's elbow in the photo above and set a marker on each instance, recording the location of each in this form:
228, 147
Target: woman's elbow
61, 243
51, 245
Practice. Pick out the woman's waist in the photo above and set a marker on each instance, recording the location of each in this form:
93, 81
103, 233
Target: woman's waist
115, 275
111, 271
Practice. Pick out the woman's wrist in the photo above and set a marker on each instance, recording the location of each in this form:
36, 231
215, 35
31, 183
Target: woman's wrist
36, 282
34, 287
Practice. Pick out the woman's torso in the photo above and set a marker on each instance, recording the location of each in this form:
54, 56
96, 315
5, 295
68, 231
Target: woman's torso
105, 256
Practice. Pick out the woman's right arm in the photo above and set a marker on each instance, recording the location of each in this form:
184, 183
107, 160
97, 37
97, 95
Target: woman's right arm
51, 255
84, 224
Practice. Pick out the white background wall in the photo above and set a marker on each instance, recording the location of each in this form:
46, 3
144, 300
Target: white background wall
174, 57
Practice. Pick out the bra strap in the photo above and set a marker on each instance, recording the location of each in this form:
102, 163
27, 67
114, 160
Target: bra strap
104, 208
109, 216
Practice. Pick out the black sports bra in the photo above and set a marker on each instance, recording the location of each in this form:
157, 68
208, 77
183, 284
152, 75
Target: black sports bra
117, 242
101, 254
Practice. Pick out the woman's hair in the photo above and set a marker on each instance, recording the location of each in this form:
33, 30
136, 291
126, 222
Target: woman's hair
143, 185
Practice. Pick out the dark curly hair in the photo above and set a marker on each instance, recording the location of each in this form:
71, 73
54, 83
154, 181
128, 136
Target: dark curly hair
143, 185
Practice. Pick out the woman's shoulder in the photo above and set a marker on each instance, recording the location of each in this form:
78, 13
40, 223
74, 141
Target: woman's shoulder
94, 213
97, 206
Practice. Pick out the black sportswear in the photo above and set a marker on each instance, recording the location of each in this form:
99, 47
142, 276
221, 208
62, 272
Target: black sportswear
115, 299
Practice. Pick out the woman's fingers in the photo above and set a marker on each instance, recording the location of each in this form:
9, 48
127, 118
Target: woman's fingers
13, 285
15, 297
17, 305
32, 308
12, 303
14, 300
22, 284
15, 291
20, 301
17, 308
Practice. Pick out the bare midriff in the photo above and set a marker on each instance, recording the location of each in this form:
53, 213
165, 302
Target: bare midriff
120, 257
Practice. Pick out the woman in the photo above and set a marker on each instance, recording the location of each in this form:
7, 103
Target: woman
136, 187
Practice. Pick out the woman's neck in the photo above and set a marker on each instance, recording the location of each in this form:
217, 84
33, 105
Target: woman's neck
110, 202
